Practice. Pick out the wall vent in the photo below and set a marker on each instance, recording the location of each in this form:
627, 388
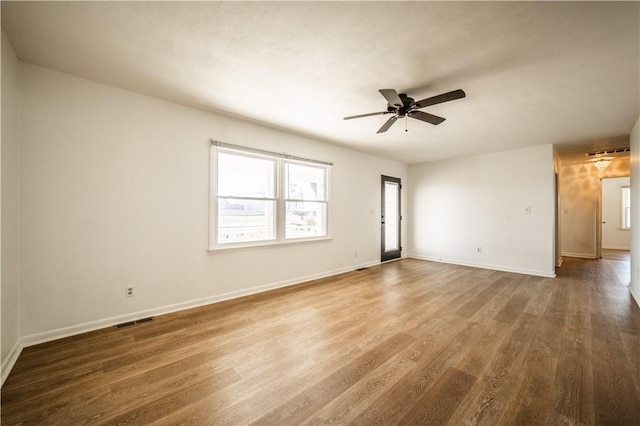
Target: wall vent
132, 323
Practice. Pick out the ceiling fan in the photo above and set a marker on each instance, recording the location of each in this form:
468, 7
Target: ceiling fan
401, 105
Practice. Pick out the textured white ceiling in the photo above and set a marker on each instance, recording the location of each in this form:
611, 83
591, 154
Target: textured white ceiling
534, 72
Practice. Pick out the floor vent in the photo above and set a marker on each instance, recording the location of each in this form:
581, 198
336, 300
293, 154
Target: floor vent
132, 323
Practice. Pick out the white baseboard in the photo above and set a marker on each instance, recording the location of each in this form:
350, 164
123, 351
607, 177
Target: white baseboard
10, 361
636, 297
580, 255
616, 248
502, 268
59, 333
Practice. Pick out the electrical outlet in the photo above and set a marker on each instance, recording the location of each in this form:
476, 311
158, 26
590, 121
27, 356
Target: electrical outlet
128, 291
355, 254
479, 250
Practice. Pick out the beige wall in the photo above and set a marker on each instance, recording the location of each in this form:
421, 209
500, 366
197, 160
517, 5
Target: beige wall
580, 189
10, 207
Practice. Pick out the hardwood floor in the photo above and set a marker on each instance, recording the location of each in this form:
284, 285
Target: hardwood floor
611, 254
408, 342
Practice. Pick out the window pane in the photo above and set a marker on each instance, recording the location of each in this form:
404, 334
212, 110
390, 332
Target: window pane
305, 219
627, 218
245, 220
243, 176
305, 182
626, 196
391, 219
626, 207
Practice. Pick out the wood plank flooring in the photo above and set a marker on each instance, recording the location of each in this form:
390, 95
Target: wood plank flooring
612, 254
408, 342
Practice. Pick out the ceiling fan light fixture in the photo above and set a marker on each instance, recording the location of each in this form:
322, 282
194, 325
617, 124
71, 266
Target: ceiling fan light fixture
602, 164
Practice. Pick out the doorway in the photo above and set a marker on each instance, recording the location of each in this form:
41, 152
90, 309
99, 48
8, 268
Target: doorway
391, 219
613, 232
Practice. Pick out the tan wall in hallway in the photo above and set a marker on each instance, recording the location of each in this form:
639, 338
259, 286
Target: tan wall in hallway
580, 189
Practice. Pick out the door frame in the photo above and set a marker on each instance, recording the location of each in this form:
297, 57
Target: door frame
386, 256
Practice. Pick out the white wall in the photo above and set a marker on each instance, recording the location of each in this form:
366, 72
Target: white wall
10, 207
634, 285
462, 204
635, 208
115, 192
580, 191
612, 236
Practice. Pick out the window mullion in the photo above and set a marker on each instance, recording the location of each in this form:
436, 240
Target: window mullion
232, 197
280, 204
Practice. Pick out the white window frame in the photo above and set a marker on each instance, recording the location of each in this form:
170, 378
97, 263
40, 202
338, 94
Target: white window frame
280, 194
286, 200
624, 207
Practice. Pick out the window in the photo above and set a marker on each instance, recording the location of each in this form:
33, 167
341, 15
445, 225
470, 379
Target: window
259, 198
625, 207
305, 200
246, 198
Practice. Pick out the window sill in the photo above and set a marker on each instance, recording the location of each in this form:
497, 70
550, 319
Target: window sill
244, 247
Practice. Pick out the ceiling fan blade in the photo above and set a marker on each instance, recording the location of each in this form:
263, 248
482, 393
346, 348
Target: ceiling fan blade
392, 97
445, 97
388, 124
425, 116
365, 115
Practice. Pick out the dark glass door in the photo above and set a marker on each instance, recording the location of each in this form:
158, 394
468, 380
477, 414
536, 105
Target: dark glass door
391, 219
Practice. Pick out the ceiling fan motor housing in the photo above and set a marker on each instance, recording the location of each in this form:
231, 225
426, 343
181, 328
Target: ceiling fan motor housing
406, 100
407, 104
